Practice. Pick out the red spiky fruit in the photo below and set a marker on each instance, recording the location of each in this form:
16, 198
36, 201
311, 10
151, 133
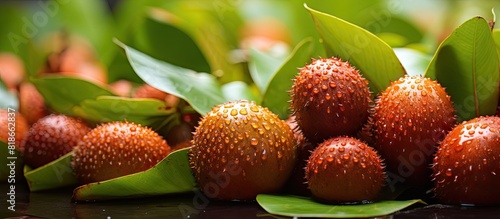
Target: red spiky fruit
411, 116
467, 163
240, 150
116, 149
344, 170
51, 137
330, 98
296, 184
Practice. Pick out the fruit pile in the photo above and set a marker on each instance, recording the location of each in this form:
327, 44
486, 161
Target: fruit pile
340, 144
350, 147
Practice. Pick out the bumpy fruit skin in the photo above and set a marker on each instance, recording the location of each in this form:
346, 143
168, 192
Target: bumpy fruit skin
51, 137
330, 98
241, 150
17, 122
411, 116
344, 170
467, 163
297, 184
116, 149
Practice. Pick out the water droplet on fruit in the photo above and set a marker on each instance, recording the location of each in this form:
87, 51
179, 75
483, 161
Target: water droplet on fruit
448, 172
243, 111
459, 147
234, 112
346, 156
341, 149
339, 94
363, 165
315, 91
254, 141
484, 161
329, 158
332, 85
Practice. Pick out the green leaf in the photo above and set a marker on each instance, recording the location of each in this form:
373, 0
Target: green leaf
296, 206
63, 93
262, 66
276, 95
55, 174
7, 99
496, 37
169, 176
200, 20
239, 90
375, 59
9, 155
179, 49
201, 90
467, 65
415, 62
149, 112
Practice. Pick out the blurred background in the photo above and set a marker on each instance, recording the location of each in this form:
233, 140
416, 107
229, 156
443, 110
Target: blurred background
77, 36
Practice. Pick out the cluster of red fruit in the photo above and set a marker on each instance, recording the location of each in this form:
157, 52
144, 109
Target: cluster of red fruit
342, 147
104, 152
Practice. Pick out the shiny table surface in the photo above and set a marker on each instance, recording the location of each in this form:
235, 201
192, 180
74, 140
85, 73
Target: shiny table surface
57, 204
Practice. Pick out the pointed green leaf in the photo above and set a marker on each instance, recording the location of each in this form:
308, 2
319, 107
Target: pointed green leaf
262, 66
63, 93
276, 95
467, 65
239, 90
201, 90
375, 59
296, 206
11, 158
414, 62
169, 176
149, 112
55, 174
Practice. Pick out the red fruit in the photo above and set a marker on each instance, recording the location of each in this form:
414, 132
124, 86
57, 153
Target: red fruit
121, 88
147, 91
330, 98
13, 121
411, 116
31, 103
179, 133
297, 184
11, 70
344, 170
51, 137
240, 150
116, 149
467, 163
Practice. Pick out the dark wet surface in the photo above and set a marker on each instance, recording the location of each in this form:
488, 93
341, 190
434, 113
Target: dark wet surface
57, 204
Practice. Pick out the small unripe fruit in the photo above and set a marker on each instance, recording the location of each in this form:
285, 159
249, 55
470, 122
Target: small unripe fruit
116, 149
467, 163
344, 170
330, 98
240, 150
